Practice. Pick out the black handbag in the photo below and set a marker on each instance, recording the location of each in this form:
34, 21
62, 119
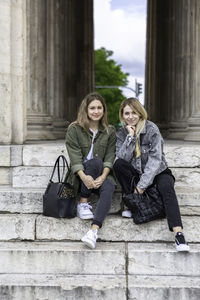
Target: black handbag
59, 200
145, 207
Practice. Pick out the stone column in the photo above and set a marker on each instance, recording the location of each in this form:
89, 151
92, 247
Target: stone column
172, 67
12, 71
60, 55
79, 59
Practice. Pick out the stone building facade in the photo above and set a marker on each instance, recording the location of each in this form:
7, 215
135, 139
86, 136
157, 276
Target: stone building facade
46, 66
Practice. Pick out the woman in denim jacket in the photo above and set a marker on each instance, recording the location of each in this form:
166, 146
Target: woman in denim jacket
140, 154
91, 144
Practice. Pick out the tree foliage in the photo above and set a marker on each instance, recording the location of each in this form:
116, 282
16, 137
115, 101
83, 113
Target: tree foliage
109, 73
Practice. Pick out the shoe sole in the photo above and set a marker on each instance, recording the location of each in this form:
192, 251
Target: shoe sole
182, 248
85, 217
126, 217
87, 243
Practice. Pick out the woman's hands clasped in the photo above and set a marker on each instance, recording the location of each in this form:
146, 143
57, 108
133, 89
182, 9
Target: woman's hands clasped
91, 183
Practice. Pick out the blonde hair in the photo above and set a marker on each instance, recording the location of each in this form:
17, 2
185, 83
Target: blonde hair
82, 117
137, 108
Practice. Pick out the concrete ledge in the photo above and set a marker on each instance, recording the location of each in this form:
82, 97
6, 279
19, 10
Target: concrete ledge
38, 177
115, 228
163, 287
62, 287
5, 176
20, 227
162, 259
43, 155
21, 200
181, 154
62, 258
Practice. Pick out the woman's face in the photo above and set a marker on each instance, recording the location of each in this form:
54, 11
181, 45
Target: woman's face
95, 110
129, 116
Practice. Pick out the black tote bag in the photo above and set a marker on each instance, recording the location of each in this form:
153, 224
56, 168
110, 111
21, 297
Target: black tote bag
145, 207
59, 200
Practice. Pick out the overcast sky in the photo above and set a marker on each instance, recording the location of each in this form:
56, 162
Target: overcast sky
120, 26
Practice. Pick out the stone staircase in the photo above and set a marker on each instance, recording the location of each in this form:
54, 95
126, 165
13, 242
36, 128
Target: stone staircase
42, 258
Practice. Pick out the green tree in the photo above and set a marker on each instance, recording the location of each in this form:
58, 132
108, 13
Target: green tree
109, 73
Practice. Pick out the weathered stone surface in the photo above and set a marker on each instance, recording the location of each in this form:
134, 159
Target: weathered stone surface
20, 227
4, 156
162, 259
62, 258
115, 228
35, 177
30, 201
62, 287
5, 176
163, 287
187, 177
21, 200
16, 152
43, 155
187, 155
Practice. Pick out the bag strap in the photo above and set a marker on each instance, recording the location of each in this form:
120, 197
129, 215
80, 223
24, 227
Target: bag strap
57, 166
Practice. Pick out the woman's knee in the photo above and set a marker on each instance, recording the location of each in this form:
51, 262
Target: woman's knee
108, 186
119, 163
165, 183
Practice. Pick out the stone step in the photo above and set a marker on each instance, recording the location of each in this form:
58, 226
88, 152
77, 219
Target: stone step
67, 258
89, 287
116, 229
162, 259
61, 258
62, 287
20, 200
38, 177
163, 287
178, 154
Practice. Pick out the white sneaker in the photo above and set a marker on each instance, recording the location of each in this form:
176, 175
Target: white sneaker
90, 238
127, 214
84, 211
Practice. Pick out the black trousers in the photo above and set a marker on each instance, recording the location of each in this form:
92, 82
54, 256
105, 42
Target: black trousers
124, 172
94, 168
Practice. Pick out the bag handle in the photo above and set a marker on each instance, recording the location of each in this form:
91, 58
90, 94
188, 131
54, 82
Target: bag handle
133, 185
57, 166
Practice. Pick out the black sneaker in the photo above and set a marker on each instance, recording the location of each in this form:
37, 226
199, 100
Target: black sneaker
180, 242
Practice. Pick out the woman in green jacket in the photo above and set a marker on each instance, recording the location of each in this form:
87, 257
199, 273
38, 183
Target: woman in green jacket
90, 142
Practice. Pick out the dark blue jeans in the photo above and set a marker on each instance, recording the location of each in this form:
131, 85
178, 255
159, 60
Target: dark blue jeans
94, 168
164, 181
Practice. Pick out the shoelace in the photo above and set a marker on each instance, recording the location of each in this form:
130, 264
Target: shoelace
86, 206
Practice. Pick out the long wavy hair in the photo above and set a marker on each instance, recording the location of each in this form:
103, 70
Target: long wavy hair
82, 117
137, 108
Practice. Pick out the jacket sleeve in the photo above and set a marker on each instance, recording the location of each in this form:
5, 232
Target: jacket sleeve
74, 150
110, 149
154, 160
125, 145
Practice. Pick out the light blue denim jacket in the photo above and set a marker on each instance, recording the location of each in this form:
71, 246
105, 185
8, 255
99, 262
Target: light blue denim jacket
152, 160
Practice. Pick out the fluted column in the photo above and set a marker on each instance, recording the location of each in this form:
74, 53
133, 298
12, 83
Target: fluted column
172, 67
60, 68
79, 57
12, 72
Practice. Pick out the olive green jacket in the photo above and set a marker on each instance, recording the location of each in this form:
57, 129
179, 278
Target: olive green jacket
78, 143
